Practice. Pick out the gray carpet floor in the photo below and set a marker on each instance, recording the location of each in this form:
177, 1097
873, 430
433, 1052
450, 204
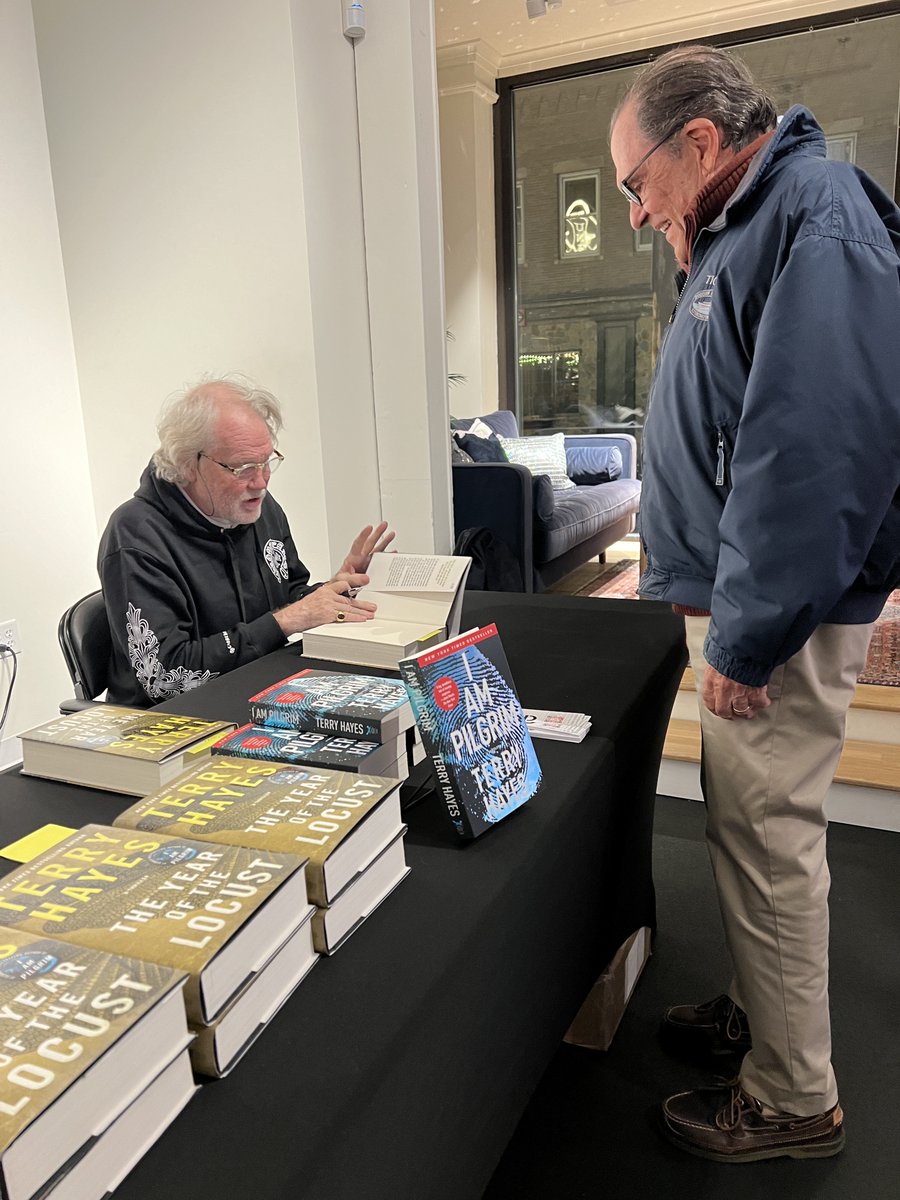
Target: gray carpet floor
590, 1128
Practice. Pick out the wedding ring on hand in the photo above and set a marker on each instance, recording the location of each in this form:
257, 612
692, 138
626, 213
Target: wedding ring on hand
340, 615
739, 712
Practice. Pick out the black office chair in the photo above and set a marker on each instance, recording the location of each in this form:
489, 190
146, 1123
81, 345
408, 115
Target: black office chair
87, 648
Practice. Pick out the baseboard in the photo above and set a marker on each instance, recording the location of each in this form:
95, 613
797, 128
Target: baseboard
846, 803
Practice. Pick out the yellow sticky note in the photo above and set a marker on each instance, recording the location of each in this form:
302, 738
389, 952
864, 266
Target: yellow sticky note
33, 844
202, 747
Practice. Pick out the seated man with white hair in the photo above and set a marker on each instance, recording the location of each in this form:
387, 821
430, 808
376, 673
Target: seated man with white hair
199, 569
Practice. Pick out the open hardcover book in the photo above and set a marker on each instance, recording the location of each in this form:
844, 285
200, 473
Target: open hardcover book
419, 599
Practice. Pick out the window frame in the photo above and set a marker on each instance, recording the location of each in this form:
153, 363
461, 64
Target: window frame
504, 153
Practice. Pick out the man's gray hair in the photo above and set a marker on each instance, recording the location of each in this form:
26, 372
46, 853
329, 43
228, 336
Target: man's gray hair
187, 423
700, 81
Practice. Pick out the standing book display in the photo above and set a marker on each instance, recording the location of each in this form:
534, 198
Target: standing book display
419, 599
473, 728
83, 1035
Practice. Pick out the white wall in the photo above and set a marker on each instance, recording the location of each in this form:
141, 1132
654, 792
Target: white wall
179, 187
49, 536
214, 214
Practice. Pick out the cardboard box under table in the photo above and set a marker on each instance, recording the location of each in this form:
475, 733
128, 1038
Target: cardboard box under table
598, 1018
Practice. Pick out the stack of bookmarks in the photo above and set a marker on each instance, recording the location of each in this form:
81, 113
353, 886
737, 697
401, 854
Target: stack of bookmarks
557, 726
361, 723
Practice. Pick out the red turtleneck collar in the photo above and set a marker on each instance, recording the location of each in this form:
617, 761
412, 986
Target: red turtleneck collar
718, 190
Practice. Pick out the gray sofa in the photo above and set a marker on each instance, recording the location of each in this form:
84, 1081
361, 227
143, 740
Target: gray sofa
549, 533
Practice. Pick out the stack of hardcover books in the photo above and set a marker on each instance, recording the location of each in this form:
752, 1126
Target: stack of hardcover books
419, 600
238, 921
361, 723
118, 749
347, 827
95, 1065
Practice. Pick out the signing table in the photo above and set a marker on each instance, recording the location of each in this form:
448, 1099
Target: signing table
400, 1066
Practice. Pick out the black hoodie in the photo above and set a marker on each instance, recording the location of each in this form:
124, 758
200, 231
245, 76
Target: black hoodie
187, 600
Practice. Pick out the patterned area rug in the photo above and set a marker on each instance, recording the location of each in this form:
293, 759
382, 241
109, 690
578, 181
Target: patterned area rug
618, 580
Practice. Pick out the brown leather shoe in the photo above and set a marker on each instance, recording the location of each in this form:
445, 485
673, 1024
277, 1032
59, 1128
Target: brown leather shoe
727, 1124
718, 1027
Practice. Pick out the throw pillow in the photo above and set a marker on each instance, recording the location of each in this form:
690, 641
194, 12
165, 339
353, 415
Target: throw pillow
594, 464
542, 456
481, 449
457, 454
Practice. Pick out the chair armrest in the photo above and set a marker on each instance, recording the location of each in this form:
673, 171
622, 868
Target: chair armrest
498, 497
626, 442
75, 705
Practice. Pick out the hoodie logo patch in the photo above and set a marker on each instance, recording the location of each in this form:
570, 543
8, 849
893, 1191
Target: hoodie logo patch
276, 558
701, 302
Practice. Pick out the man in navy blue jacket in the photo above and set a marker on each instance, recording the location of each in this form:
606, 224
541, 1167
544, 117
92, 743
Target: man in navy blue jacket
770, 517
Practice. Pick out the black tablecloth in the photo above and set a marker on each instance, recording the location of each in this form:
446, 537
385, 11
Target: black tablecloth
401, 1065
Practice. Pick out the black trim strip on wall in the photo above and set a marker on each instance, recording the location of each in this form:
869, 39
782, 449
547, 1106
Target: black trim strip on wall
504, 151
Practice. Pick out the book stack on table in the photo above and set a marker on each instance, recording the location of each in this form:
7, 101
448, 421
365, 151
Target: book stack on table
237, 921
419, 600
95, 1065
118, 749
361, 723
345, 827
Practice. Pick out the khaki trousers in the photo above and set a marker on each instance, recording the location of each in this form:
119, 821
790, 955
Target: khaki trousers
764, 782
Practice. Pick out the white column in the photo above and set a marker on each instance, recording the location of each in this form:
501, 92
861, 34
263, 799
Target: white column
466, 80
397, 100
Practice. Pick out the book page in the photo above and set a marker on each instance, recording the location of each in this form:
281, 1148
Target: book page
420, 573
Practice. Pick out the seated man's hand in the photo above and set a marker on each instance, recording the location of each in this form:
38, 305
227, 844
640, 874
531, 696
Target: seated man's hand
323, 606
370, 540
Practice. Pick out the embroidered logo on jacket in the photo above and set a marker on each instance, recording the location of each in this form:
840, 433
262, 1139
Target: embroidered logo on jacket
143, 650
276, 558
701, 302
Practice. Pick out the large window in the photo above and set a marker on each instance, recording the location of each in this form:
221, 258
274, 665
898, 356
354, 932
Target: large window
585, 308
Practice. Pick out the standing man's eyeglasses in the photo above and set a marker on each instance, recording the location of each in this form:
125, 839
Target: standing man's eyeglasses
628, 192
248, 470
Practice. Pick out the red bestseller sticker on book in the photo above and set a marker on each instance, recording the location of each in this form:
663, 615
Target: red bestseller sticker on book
446, 693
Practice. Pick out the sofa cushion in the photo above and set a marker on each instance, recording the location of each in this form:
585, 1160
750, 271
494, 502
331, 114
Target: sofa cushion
543, 497
593, 464
542, 456
580, 513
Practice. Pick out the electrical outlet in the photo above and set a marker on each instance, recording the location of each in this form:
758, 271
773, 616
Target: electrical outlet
9, 635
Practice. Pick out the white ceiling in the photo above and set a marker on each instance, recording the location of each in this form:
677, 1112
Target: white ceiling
505, 25
583, 29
